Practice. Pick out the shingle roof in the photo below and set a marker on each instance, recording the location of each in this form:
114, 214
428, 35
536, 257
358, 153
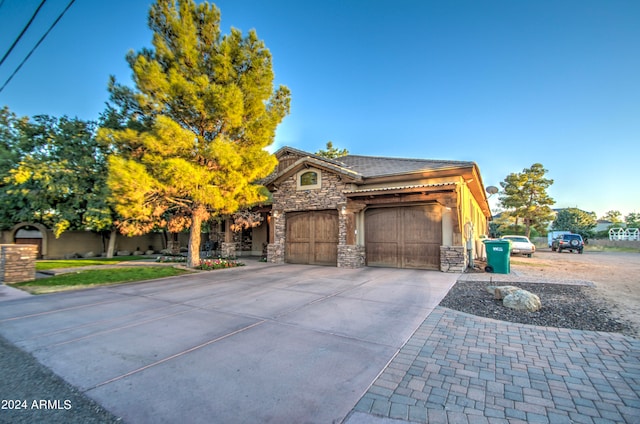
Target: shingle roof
373, 166
376, 166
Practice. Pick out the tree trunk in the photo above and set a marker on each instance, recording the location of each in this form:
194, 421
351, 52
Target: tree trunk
193, 255
112, 243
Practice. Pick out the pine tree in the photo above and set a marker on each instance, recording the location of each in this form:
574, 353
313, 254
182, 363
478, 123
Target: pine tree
190, 138
332, 152
525, 196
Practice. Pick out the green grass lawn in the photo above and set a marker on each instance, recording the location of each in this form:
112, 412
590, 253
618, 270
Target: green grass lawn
97, 277
43, 265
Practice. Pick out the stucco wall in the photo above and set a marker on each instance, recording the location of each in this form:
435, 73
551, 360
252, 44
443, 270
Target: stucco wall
472, 221
81, 242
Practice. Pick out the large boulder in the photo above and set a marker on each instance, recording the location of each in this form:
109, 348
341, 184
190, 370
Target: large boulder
522, 300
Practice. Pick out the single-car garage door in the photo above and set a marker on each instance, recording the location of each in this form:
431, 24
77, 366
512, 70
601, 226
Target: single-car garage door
312, 237
404, 237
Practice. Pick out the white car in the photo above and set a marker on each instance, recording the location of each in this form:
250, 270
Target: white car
520, 245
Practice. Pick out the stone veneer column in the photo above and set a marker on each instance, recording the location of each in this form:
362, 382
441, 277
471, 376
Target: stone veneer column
275, 249
452, 259
351, 256
228, 250
17, 262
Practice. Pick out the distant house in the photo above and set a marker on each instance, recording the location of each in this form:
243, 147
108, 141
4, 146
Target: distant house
376, 211
604, 225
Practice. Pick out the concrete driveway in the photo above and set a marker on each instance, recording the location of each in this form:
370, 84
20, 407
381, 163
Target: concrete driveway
262, 343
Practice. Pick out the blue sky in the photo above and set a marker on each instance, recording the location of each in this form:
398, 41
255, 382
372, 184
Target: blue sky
505, 84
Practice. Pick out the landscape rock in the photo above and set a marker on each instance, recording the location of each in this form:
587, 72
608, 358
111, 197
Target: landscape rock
522, 300
500, 292
90, 255
565, 306
123, 253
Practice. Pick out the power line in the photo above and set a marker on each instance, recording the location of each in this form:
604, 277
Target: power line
36, 46
22, 33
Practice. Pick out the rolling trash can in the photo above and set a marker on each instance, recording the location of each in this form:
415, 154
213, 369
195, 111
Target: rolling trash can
498, 256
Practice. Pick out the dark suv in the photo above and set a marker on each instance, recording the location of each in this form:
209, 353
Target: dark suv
568, 242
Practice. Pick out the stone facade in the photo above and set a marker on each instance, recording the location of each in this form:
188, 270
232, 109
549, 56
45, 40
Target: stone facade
351, 256
289, 198
17, 262
275, 249
229, 250
453, 259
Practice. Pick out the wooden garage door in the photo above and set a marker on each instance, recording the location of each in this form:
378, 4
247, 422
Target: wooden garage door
312, 238
404, 237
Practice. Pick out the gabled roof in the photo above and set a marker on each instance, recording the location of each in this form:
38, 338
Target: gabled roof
307, 159
362, 170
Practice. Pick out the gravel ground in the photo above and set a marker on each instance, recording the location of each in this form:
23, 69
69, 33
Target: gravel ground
24, 381
563, 306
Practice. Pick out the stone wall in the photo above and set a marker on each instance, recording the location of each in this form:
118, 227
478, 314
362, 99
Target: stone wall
328, 196
17, 262
453, 259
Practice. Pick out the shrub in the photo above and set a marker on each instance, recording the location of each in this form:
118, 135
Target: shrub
209, 264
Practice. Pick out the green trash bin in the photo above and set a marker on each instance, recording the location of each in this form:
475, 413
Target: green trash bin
498, 256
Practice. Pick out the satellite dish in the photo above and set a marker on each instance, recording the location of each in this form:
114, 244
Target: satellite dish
492, 189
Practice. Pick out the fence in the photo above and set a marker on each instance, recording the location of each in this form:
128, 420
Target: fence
624, 234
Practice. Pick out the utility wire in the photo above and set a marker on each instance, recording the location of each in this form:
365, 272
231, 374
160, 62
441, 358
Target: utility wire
22, 33
36, 46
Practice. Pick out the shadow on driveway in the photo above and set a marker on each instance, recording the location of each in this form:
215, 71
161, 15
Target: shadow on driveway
261, 343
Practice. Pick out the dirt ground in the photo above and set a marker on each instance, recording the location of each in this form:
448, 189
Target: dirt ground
616, 276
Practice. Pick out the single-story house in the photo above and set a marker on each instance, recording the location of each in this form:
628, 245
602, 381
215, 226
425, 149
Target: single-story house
357, 211
352, 211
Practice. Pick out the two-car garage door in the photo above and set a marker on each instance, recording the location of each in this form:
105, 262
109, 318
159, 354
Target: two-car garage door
404, 237
396, 237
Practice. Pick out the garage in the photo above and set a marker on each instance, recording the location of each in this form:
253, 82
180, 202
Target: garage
404, 237
312, 237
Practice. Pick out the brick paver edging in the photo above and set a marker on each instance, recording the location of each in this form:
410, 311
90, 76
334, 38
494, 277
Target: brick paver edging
460, 368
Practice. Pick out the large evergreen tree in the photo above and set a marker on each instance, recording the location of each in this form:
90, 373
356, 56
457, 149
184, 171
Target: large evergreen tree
190, 138
525, 196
